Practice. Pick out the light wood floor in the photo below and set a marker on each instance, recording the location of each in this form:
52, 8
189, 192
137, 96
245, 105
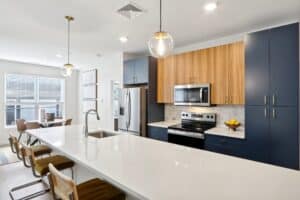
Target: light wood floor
15, 174
6, 156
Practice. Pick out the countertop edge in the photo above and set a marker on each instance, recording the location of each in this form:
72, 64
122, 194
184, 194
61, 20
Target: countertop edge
163, 124
224, 132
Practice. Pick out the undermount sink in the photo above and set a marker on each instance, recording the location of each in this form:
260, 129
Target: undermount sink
101, 134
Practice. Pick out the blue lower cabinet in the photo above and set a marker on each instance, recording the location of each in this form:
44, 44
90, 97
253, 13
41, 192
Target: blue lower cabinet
285, 137
257, 125
225, 145
158, 133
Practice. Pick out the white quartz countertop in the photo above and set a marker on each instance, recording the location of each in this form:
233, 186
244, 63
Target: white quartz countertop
226, 132
164, 124
150, 169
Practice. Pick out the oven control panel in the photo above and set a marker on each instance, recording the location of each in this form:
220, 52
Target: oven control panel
205, 117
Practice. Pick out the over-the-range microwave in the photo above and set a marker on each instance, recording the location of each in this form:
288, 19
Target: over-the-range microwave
192, 95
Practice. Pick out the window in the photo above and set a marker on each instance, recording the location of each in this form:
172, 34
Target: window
28, 97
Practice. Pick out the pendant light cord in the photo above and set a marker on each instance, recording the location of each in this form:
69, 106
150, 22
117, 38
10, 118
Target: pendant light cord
68, 41
160, 20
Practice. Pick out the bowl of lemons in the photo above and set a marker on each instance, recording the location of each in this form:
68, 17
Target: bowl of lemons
232, 124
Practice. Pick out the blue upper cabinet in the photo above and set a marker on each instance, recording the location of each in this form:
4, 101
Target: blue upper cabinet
136, 71
284, 62
141, 70
129, 72
257, 68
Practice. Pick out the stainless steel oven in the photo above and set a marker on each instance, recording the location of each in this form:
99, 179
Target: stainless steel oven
192, 95
190, 132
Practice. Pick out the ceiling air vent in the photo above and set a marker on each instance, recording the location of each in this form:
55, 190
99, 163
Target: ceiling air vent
130, 11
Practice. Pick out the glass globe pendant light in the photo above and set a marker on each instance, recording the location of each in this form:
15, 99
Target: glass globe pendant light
161, 43
68, 67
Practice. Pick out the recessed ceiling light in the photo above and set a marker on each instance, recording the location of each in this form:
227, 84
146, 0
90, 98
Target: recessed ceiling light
123, 39
58, 55
210, 6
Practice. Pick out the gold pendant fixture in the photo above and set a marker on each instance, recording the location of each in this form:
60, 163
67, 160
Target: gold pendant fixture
161, 43
68, 67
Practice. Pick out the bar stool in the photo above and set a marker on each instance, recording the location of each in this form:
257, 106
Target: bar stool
40, 170
21, 127
65, 188
68, 122
32, 125
38, 150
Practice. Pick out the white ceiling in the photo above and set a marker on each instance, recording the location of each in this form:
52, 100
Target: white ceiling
34, 31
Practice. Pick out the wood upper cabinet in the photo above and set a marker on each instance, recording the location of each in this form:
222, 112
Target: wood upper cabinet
236, 73
194, 67
183, 68
165, 79
202, 66
222, 66
228, 82
219, 80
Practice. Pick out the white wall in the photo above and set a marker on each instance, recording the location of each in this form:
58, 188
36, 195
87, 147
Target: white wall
110, 69
227, 39
71, 92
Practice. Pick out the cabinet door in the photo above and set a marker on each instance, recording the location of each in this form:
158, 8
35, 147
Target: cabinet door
128, 74
165, 79
202, 64
219, 89
257, 68
236, 73
284, 65
285, 137
225, 145
183, 69
257, 133
158, 133
141, 69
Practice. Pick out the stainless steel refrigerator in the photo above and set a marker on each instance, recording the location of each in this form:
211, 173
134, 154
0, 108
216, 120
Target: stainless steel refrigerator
132, 115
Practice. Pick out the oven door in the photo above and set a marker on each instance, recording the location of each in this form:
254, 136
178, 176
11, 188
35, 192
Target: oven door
197, 95
185, 138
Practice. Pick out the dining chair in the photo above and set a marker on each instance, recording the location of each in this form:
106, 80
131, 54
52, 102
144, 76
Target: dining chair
21, 127
40, 170
63, 187
68, 122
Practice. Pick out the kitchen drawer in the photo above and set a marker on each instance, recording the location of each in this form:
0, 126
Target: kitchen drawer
225, 145
158, 133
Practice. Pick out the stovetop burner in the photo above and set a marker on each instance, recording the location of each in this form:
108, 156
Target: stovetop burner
194, 122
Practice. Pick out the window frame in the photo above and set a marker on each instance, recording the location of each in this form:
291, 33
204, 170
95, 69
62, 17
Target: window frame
36, 102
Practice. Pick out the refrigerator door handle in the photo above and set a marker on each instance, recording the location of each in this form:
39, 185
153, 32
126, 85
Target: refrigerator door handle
126, 115
129, 109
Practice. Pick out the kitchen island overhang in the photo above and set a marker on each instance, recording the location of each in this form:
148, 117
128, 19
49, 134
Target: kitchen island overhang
150, 169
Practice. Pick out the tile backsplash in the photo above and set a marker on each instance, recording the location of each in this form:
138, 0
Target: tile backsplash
224, 112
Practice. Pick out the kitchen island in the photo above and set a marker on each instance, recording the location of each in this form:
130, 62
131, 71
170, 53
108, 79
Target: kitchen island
150, 169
